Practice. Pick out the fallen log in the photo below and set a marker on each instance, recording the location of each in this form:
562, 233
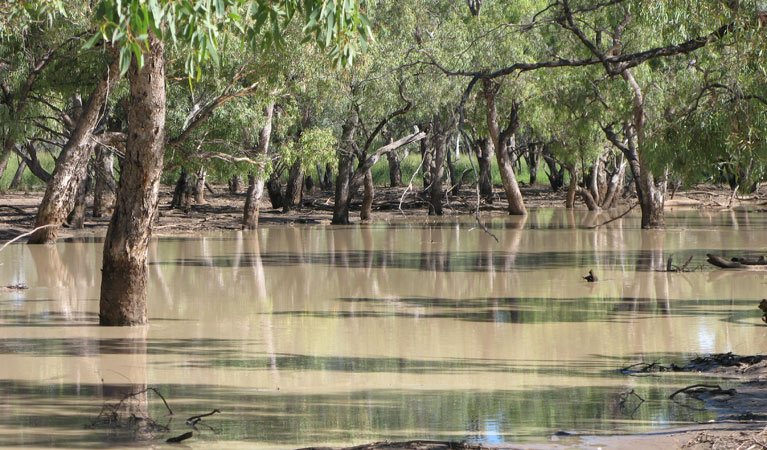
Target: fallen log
760, 261
723, 263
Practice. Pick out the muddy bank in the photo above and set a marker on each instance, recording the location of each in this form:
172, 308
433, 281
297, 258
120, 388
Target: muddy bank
223, 210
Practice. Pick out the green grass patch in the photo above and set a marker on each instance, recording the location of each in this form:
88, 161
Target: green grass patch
29, 182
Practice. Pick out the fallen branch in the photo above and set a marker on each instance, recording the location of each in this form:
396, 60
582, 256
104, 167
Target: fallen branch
713, 389
25, 235
18, 210
177, 439
614, 218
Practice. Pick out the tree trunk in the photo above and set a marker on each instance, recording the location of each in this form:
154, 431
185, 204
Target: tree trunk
256, 184
124, 272
76, 218
533, 157
616, 181
255, 191
274, 189
366, 212
455, 183
33, 163
572, 188
327, 179
199, 186
510, 185
593, 179
426, 160
182, 194
556, 171
439, 143
294, 192
235, 184
343, 179
72, 163
104, 190
484, 155
652, 198
18, 175
5, 155
395, 172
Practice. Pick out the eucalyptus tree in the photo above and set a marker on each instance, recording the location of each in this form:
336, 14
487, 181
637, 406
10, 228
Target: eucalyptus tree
139, 31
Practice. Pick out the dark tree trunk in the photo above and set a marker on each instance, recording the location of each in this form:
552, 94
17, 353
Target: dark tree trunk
104, 190
395, 172
72, 163
343, 179
533, 157
17, 176
484, 155
294, 192
199, 186
556, 171
76, 218
366, 212
255, 191
572, 188
455, 181
327, 179
182, 194
274, 189
439, 143
500, 138
235, 184
124, 272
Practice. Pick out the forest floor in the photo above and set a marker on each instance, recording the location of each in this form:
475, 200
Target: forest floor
743, 413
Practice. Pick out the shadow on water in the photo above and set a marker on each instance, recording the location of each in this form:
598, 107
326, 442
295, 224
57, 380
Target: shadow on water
455, 261
533, 310
303, 419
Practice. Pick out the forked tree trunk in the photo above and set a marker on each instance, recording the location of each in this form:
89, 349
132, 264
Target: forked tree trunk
256, 183
294, 192
509, 179
124, 272
343, 179
104, 189
72, 163
366, 212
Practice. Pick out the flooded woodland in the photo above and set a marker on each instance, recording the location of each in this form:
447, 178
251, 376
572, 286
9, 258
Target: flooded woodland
421, 328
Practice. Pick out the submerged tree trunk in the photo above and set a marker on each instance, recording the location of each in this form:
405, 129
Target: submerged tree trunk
294, 192
256, 183
104, 189
342, 194
124, 272
439, 144
572, 188
72, 163
255, 191
500, 138
76, 218
366, 211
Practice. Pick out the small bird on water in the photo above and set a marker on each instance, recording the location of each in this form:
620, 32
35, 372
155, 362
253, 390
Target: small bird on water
591, 277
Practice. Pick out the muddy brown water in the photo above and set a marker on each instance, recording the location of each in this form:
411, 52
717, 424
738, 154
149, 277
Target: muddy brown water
309, 335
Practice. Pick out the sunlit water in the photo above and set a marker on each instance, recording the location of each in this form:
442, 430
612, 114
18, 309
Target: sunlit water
308, 335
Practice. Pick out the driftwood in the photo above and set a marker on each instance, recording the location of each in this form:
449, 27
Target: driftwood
754, 263
760, 261
177, 439
718, 261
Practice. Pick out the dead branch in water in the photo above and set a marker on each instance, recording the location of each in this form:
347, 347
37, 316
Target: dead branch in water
177, 439
25, 235
614, 218
712, 389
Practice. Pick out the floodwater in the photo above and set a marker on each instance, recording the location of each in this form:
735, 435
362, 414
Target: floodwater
320, 335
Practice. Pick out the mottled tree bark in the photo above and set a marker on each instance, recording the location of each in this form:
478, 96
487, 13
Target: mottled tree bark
256, 183
124, 272
76, 218
343, 179
500, 138
439, 144
105, 187
484, 152
72, 162
199, 186
366, 211
395, 172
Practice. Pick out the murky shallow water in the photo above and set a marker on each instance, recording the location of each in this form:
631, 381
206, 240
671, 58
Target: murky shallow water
343, 335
